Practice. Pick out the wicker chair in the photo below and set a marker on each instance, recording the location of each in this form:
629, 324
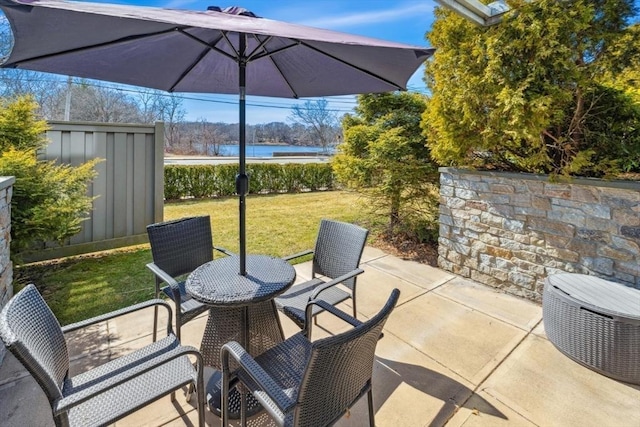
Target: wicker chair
304, 383
336, 256
178, 247
108, 392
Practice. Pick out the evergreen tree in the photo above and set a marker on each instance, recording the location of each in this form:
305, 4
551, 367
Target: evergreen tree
537, 92
49, 200
384, 156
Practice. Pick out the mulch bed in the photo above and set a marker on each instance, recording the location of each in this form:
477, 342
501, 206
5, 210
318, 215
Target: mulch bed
409, 249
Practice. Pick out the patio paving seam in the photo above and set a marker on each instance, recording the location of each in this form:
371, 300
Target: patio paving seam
508, 322
490, 373
509, 405
375, 259
416, 296
408, 280
386, 331
13, 381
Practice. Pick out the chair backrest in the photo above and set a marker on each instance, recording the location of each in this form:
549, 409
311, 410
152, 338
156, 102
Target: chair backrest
181, 245
339, 370
338, 249
32, 333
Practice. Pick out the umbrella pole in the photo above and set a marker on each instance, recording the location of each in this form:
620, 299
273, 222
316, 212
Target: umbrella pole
242, 180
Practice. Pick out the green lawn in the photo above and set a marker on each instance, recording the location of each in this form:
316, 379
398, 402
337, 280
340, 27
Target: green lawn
81, 287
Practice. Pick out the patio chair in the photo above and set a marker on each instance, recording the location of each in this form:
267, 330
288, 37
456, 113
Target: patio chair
336, 256
304, 383
106, 393
178, 247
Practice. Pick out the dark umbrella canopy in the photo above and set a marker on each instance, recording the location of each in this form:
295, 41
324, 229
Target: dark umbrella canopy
203, 52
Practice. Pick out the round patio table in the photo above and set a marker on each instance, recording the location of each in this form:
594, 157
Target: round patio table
241, 309
595, 322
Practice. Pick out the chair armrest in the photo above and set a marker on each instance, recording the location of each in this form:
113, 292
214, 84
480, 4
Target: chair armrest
333, 310
273, 394
306, 330
298, 255
223, 250
164, 276
97, 388
113, 314
334, 282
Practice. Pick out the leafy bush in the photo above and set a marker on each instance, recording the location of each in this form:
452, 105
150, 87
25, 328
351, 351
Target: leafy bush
200, 181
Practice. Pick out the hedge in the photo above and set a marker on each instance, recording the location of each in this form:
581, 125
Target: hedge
199, 181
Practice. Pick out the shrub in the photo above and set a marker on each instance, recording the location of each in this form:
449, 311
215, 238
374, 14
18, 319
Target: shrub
49, 200
200, 181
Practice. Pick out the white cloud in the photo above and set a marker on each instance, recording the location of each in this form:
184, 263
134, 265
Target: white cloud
179, 4
372, 17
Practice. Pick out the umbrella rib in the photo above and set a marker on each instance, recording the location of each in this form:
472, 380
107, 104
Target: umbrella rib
188, 70
211, 46
275, 64
267, 54
273, 52
98, 45
261, 46
224, 34
362, 70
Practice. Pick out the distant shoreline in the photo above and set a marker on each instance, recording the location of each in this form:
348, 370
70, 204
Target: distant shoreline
271, 144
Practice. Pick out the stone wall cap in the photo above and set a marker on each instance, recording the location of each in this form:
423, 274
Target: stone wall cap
6, 181
593, 182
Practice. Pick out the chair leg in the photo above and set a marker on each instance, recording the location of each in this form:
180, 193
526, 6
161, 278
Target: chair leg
178, 322
200, 394
355, 312
189, 392
200, 412
372, 421
155, 323
243, 405
224, 396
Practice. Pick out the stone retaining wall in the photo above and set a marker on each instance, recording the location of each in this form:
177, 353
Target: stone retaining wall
6, 267
511, 231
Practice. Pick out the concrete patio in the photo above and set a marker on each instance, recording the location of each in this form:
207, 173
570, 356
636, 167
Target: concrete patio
454, 353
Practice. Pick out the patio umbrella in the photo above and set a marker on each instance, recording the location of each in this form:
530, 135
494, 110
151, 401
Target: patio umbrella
214, 51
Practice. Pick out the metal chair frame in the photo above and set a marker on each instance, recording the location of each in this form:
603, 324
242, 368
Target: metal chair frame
108, 392
304, 383
178, 247
336, 256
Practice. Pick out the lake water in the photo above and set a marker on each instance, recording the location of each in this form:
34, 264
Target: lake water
267, 150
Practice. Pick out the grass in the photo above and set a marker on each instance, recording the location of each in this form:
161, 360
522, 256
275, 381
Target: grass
276, 224
81, 287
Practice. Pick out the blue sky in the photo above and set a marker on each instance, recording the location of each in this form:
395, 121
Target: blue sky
404, 21
401, 21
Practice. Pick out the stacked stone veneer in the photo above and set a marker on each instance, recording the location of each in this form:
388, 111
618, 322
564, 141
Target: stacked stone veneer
511, 231
6, 268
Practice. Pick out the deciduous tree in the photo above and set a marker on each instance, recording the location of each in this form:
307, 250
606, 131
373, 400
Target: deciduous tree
321, 122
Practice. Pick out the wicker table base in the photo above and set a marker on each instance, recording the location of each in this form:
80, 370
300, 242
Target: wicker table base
242, 310
264, 332
595, 322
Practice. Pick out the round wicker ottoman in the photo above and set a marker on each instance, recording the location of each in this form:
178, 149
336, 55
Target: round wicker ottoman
595, 322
